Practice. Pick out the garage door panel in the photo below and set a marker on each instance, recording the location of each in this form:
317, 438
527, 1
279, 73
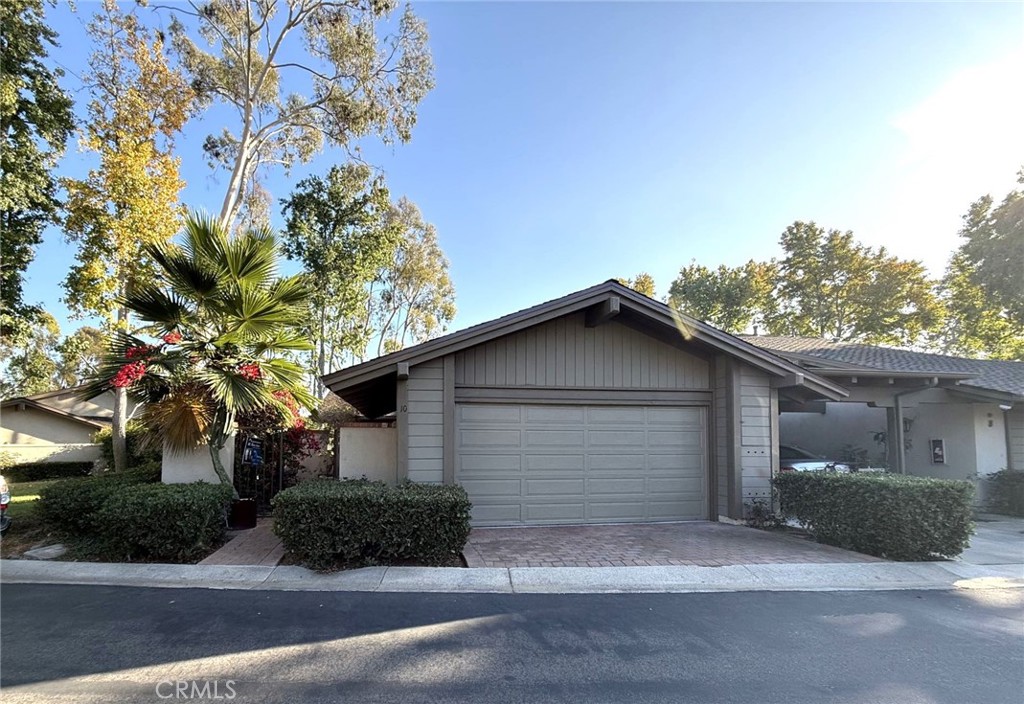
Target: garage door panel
556, 438
674, 462
617, 510
555, 487
540, 464
615, 438
497, 514
491, 488
554, 463
676, 417
616, 416
489, 438
675, 485
474, 413
555, 512
469, 464
555, 415
598, 486
618, 462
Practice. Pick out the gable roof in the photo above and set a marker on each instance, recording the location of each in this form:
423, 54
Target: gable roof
650, 310
1002, 377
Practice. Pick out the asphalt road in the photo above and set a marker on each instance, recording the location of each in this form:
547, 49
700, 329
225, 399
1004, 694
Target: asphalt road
112, 644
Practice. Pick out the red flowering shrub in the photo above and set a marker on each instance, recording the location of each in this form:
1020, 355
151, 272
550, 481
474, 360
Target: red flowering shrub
129, 374
250, 371
172, 338
135, 352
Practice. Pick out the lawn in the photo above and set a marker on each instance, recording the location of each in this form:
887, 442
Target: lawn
27, 529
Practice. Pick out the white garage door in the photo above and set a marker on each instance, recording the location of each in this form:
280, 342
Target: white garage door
524, 464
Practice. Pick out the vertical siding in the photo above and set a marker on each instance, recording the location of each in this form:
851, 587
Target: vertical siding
721, 420
1015, 431
566, 353
426, 416
755, 432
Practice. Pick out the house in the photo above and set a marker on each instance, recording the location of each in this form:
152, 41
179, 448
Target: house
56, 426
954, 418
601, 406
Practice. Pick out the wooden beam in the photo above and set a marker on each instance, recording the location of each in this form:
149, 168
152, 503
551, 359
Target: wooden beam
603, 311
403, 370
790, 380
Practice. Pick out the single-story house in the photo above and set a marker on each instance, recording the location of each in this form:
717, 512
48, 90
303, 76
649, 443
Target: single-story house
955, 418
601, 406
56, 426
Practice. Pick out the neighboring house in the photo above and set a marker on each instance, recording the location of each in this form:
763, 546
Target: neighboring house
601, 406
955, 418
55, 426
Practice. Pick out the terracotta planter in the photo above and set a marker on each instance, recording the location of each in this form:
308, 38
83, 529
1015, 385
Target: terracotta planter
243, 514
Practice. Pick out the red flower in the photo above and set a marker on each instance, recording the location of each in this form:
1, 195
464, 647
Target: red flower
172, 338
133, 352
250, 371
129, 374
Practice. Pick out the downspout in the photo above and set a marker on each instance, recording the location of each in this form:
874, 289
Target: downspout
901, 460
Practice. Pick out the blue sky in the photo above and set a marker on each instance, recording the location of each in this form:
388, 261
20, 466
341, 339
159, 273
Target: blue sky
568, 143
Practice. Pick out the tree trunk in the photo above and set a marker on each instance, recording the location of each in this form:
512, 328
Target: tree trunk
119, 421
218, 467
118, 430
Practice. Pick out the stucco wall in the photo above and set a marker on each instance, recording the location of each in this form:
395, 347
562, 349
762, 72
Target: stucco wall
184, 468
370, 452
68, 452
34, 427
841, 424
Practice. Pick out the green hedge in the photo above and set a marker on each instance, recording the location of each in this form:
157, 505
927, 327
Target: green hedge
139, 450
887, 515
163, 522
330, 523
71, 505
34, 471
1006, 492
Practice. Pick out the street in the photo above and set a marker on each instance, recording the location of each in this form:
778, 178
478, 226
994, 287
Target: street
112, 644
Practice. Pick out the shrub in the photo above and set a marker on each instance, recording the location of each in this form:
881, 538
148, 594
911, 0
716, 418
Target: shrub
71, 505
327, 523
887, 515
139, 450
1006, 492
166, 522
34, 471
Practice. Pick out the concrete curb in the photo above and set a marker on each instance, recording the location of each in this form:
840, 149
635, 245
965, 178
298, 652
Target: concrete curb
875, 576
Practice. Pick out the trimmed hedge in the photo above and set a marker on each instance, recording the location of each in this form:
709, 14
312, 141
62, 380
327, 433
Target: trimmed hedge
1007, 492
71, 505
329, 523
35, 471
163, 522
886, 515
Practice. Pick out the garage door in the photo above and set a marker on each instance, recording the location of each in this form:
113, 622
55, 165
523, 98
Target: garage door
538, 464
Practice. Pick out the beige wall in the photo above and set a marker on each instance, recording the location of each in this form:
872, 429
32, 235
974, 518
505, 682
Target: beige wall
31, 426
68, 452
195, 466
368, 452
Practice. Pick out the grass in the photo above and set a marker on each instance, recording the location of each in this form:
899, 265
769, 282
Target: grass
27, 529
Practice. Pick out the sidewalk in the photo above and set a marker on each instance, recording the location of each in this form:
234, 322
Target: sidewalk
530, 580
257, 546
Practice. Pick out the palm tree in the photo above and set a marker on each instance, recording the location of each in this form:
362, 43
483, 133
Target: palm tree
224, 319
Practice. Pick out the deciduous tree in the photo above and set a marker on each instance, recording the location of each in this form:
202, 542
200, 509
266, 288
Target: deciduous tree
643, 283
730, 298
32, 366
299, 74
130, 199
340, 228
35, 123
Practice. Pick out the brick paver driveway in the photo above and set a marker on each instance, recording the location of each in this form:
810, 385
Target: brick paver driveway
692, 543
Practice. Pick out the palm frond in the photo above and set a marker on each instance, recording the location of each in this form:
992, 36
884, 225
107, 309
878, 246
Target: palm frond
281, 342
289, 375
166, 311
236, 393
182, 419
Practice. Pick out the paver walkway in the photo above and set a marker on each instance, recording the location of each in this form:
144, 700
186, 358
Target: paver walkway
704, 543
258, 546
